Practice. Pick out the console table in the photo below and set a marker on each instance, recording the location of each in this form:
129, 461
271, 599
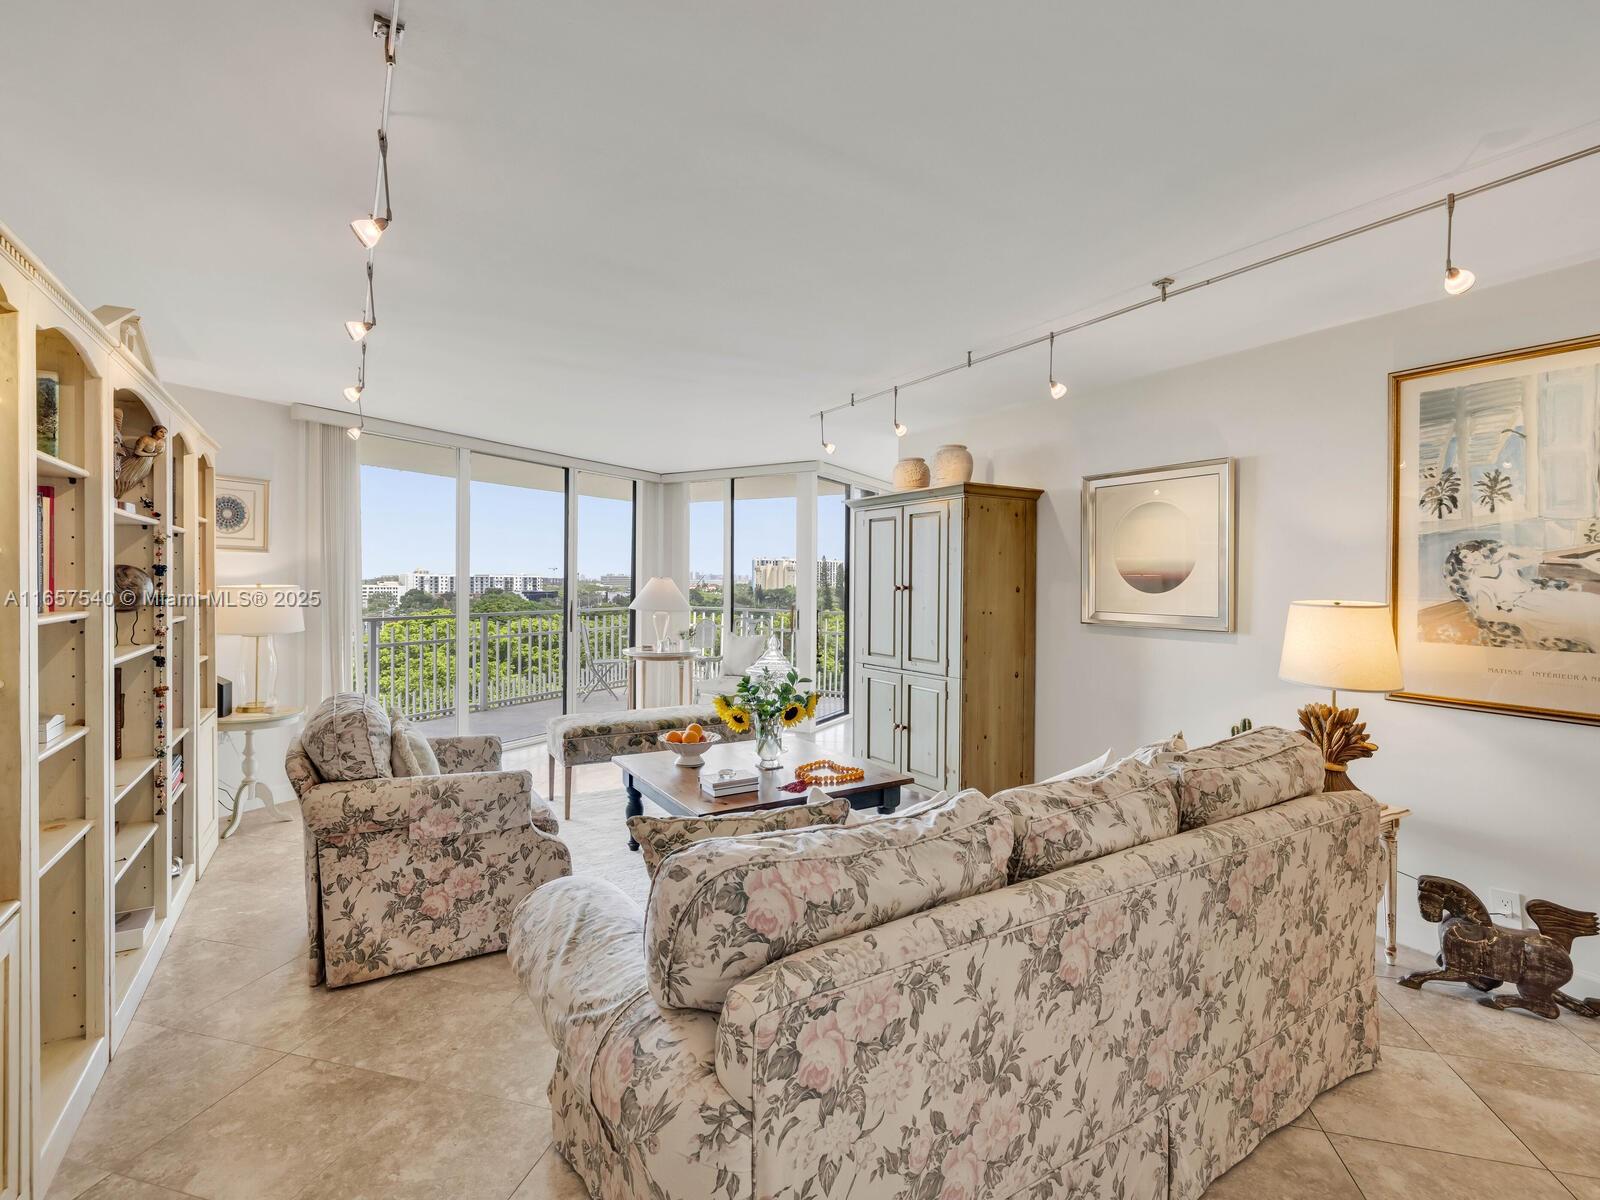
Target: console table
1389, 819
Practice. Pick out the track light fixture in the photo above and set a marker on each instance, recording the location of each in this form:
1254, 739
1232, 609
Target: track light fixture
353, 392
369, 315
353, 433
1456, 279
1057, 390
822, 427
369, 229
899, 426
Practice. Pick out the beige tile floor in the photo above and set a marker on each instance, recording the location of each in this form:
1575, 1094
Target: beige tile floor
239, 1082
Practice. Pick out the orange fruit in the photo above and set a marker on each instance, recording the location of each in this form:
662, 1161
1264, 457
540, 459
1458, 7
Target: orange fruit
674, 737
693, 735
695, 728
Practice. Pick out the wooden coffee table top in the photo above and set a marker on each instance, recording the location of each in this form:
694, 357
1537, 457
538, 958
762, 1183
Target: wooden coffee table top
677, 789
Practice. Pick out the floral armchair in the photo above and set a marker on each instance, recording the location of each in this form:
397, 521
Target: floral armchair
411, 872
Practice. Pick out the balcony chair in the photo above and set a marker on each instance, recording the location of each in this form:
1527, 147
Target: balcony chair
599, 674
411, 871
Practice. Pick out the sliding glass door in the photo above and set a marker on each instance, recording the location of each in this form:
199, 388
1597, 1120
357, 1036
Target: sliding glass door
516, 626
833, 598
603, 521
765, 570
405, 652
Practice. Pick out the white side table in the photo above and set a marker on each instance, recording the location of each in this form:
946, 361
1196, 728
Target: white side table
638, 656
247, 724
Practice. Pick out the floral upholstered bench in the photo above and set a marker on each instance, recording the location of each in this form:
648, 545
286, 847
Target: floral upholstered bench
582, 738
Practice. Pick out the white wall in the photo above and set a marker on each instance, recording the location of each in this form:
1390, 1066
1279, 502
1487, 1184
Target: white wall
258, 440
1497, 801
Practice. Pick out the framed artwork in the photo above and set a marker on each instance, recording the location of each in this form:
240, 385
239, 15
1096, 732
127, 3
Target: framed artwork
1495, 531
242, 508
1158, 547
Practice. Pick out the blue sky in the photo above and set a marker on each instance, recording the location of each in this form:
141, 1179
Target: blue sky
408, 521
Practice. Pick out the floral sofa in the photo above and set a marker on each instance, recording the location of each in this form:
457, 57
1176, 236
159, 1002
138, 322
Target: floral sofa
1174, 961
410, 872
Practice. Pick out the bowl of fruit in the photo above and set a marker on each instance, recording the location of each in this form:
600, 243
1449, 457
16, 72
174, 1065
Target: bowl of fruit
690, 743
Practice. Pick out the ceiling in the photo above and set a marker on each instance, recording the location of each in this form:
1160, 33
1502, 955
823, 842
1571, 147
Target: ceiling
664, 235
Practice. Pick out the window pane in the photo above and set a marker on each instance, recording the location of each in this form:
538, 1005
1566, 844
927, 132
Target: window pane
604, 589
708, 508
833, 565
764, 557
518, 590
407, 655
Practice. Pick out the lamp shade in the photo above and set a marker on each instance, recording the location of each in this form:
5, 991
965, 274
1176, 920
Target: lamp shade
1346, 645
660, 594
259, 610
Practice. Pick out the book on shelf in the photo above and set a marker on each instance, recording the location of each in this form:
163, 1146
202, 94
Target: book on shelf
44, 514
728, 781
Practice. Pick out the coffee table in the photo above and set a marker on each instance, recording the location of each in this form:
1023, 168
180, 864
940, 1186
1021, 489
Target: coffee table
676, 789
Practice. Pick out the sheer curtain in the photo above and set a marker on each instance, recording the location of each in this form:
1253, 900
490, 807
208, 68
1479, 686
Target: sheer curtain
333, 557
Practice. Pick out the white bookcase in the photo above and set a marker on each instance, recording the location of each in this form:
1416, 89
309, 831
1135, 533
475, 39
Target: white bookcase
85, 832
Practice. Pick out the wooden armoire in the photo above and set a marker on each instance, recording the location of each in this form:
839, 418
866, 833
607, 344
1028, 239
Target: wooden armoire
942, 633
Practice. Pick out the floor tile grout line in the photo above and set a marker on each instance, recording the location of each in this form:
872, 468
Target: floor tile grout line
1348, 1173
1482, 1100
1355, 1137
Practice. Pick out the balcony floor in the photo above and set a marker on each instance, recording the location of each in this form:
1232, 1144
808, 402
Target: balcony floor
526, 722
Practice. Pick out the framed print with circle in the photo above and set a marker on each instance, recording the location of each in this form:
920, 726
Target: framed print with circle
1495, 531
1159, 547
241, 513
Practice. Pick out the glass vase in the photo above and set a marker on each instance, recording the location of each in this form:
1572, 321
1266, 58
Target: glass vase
769, 747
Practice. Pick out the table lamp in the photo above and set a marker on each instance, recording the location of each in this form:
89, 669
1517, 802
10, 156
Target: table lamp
660, 597
258, 611
1340, 645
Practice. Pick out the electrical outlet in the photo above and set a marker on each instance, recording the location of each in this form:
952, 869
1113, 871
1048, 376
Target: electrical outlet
1505, 904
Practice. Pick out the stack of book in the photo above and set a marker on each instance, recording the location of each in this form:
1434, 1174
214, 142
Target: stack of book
728, 781
51, 727
175, 780
44, 517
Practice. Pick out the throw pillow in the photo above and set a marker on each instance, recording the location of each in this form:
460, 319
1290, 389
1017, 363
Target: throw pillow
1091, 767
347, 738
411, 754
1163, 753
1244, 774
1061, 822
721, 910
740, 651
660, 836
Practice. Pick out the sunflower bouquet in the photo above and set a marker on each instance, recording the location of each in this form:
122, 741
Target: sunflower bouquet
769, 704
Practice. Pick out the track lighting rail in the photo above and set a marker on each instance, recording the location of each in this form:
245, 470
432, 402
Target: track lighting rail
1170, 290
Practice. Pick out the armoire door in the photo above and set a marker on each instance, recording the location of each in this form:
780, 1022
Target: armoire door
875, 587
923, 575
876, 704
922, 720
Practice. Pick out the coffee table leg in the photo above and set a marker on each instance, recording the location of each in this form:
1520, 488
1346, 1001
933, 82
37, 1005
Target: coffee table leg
635, 806
890, 800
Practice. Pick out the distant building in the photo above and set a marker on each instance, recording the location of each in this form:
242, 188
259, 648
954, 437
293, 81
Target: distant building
431, 582
770, 574
388, 589
830, 573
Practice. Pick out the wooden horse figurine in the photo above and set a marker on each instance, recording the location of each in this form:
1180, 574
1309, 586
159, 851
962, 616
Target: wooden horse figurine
1475, 951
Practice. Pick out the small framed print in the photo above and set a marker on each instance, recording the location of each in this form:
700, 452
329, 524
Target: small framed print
242, 508
1159, 547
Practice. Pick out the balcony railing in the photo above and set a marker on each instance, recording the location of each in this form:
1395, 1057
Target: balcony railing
409, 662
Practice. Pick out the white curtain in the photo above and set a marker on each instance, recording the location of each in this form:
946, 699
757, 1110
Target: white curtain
333, 560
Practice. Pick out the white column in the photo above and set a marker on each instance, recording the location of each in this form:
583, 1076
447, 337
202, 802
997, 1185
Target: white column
805, 584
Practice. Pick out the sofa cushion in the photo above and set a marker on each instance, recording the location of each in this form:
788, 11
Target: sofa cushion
1065, 821
660, 836
721, 910
1243, 774
410, 754
740, 651
348, 737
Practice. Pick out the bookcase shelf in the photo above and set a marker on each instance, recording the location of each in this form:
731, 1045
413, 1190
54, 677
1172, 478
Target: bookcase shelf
85, 833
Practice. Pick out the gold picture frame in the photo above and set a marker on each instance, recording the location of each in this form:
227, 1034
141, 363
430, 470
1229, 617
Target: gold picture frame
1494, 468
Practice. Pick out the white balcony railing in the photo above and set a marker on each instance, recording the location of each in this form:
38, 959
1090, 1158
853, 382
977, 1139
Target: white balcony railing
408, 662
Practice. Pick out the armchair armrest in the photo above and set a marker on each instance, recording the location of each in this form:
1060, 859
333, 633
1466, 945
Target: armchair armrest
428, 807
465, 755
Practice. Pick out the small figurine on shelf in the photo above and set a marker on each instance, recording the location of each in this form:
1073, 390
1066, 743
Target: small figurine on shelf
136, 460
1475, 951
